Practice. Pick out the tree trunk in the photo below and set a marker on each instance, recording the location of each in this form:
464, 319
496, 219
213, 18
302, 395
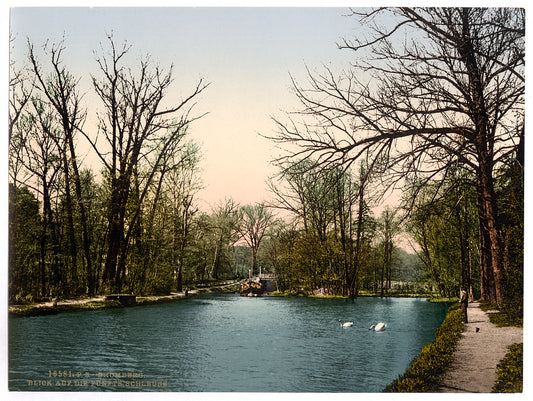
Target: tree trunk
253, 267
70, 216
42, 250
358, 234
89, 274
484, 142
492, 262
115, 264
462, 250
115, 240
384, 264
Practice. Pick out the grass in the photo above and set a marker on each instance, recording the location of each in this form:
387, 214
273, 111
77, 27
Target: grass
424, 373
501, 318
510, 371
437, 299
509, 374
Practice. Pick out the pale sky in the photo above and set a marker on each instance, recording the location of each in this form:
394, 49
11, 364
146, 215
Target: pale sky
246, 54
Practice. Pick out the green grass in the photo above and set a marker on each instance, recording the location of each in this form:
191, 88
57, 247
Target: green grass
424, 373
509, 374
501, 318
437, 299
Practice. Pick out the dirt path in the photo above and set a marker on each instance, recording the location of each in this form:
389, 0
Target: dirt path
479, 351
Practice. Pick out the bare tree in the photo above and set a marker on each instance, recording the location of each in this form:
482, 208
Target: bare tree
183, 184
20, 91
225, 222
452, 94
135, 122
42, 160
61, 89
389, 225
256, 220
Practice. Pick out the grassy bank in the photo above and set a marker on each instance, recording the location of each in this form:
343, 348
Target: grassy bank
501, 318
362, 294
510, 371
424, 373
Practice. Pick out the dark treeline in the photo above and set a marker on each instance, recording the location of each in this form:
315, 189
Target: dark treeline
442, 118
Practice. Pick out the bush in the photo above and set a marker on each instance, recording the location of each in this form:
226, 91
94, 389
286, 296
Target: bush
509, 374
425, 371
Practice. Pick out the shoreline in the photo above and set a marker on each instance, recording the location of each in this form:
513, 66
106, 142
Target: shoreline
99, 302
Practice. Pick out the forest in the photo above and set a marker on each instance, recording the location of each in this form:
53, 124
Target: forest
438, 117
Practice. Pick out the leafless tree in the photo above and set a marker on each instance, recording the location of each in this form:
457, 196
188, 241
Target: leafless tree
136, 126
20, 91
256, 220
225, 222
41, 154
60, 88
183, 185
431, 88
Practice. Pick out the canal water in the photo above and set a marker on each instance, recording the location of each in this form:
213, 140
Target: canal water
223, 343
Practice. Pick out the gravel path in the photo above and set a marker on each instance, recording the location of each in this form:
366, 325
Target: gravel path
481, 348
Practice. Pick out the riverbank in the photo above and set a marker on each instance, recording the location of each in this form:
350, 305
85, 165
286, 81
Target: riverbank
463, 358
96, 303
481, 348
364, 294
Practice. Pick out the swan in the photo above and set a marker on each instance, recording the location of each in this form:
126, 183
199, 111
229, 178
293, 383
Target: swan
378, 327
345, 324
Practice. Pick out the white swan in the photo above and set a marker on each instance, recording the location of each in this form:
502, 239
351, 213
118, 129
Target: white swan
345, 324
378, 327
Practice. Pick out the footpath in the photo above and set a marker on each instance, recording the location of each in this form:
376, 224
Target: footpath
482, 346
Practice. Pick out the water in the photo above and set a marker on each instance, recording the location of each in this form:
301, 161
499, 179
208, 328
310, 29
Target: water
223, 343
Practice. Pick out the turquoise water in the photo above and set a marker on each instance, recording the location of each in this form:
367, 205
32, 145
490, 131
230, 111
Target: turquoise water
223, 343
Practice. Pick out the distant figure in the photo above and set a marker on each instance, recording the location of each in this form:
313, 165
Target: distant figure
464, 303
186, 292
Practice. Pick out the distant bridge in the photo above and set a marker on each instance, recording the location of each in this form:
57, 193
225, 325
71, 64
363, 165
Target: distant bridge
267, 277
266, 282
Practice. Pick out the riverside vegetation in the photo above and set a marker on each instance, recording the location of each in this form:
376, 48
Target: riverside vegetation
425, 372
434, 359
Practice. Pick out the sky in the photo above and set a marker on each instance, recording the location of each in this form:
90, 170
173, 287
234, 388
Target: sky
245, 54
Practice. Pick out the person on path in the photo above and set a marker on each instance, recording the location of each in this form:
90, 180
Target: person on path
464, 303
